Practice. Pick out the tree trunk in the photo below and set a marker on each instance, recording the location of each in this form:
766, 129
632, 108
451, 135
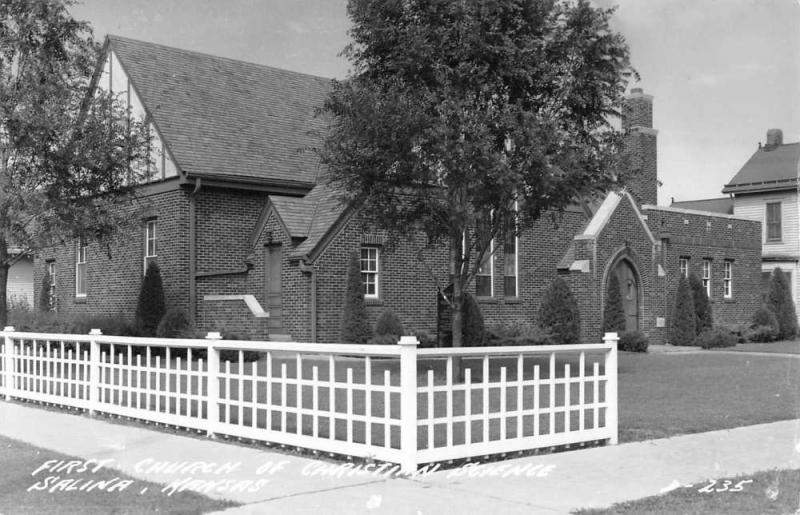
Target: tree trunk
457, 304
3, 282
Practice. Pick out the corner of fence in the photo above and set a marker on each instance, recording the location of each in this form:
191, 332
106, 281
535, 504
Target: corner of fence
212, 396
94, 370
612, 400
8, 361
408, 403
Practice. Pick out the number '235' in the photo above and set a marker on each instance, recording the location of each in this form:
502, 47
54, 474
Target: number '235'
725, 487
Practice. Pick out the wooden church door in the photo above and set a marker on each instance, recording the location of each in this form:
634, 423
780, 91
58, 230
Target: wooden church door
630, 294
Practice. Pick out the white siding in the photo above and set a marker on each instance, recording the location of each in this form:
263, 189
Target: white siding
755, 208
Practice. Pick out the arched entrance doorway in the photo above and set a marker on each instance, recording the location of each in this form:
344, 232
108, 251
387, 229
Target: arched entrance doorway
629, 284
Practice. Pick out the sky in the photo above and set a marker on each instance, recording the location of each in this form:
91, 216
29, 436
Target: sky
722, 72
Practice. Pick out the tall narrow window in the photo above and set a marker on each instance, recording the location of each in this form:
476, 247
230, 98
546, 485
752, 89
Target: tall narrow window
511, 261
150, 241
707, 276
727, 280
51, 271
369, 271
684, 266
80, 270
774, 229
485, 275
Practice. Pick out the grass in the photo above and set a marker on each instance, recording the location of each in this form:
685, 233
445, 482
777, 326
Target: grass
783, 347
770, 492
19, 460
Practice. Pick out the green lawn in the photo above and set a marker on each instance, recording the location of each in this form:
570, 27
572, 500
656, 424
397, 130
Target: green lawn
664, 395
783, 347
772, 492
19, 460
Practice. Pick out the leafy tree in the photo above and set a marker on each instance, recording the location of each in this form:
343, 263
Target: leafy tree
388, 323
66, 154
355, 327
684, 317
455, 110
704, 320
45, 301
779, 301
559, 314
150, 308
613, 312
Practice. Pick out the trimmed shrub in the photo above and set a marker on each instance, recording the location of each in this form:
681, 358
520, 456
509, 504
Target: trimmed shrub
425, 339
633, 341
355, 328
473, 330
764, 318
559, 314
779, 301
388, 323
683, 319
704, 319
45, 302
760, 334
613, 311
150, 307
715, 339
738, 330
384, 339
176, 324
518, 333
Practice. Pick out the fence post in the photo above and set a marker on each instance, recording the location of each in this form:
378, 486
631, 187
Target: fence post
612, 400
212, 397
408, 404
8, 361
94, 371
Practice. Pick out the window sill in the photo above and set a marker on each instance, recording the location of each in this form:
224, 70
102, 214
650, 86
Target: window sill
513, 300
373, 301
773, 242
80, 300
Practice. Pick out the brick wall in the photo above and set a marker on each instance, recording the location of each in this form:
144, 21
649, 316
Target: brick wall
114, 274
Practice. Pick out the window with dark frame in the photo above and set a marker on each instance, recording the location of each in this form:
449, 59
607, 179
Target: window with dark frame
727, 280
684, 266
51, 271
80, 269
369, 271
707, 276
485, 275
150, 243
774, 229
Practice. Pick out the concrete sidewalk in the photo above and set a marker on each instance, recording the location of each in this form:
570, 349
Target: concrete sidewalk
553, 483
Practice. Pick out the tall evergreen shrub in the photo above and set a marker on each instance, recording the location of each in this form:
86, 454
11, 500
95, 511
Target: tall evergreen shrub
355, 327
388, 323
559, 314
779, 300
684, 317
704, 320
45, 301
613, 311
150, 308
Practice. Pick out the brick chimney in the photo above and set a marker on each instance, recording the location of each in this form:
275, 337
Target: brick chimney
640, 143
774, 139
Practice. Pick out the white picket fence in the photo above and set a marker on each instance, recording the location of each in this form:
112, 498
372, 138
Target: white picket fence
393, 403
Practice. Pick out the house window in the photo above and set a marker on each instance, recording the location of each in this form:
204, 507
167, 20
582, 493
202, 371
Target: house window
150, 239
774, 230
707, 276
727, 280
369, 271
684, 267
51, 271
80, 270
510, 272
485, 275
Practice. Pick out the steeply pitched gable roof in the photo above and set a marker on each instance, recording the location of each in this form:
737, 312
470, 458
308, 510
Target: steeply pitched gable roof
768, 169
327, 211
228, 119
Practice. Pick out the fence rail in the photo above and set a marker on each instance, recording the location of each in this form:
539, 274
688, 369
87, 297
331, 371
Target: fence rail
394, 403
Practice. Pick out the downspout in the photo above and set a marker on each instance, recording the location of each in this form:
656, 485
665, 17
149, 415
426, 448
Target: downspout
309, 269
193, 250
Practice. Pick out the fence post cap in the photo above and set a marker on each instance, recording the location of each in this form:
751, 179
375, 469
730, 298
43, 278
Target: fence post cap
611, 336
408, 340
95, 332
8, 329
214, 335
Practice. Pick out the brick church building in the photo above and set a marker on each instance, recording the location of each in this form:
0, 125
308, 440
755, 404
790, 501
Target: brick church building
249, 238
